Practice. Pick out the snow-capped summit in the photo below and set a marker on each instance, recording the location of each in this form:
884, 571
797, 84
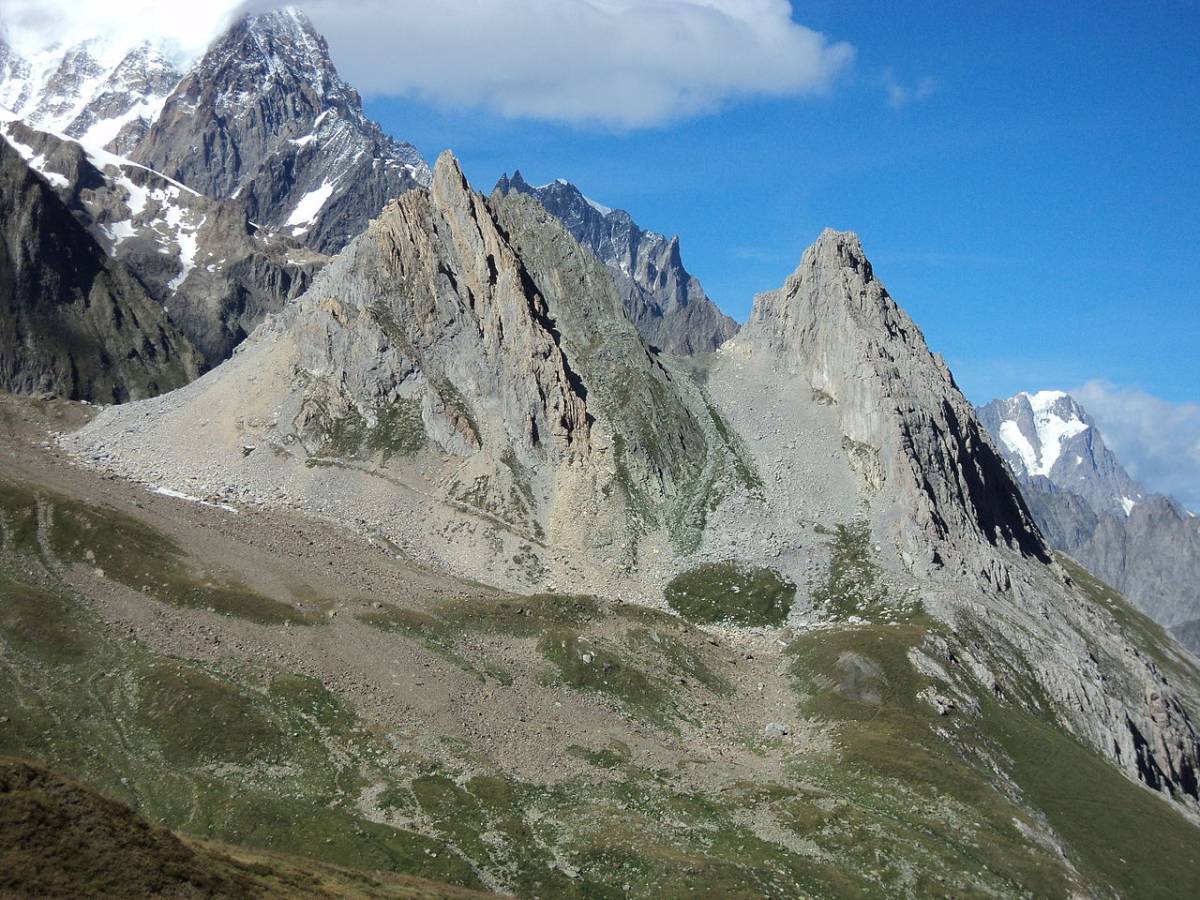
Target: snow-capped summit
1087, 505
265, 117
1048, 435
100, 92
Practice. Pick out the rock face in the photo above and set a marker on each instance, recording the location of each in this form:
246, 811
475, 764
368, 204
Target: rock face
74, 322
264, 118
216, 275
668, 305
908, 429
465, 373
1145, 546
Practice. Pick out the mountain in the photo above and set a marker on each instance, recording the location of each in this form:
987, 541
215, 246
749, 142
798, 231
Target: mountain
457, 328
1146, 546
463, 383
263, 117
668, 305
99, 92
76, 322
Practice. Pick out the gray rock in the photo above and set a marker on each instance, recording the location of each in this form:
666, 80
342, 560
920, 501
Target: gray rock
910, 433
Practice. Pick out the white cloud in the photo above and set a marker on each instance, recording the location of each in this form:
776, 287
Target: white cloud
1158, 441
620, 63
30, 25
901, 95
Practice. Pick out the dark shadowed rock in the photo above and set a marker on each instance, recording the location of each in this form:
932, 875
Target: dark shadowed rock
75, 322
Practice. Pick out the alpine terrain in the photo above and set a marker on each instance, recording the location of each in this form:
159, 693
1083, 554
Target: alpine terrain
1146, 545
364, 535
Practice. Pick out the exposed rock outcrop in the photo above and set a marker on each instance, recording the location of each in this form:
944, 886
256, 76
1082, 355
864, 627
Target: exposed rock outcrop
463, 377
74, 322
665, 302
915, 437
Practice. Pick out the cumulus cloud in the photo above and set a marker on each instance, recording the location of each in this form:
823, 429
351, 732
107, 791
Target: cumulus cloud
1158, 441
30, 25
619, 63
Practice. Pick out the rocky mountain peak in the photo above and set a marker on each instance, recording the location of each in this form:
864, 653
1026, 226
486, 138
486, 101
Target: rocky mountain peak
265, 118
667, 304
1090, 507
937, 473
1048, 434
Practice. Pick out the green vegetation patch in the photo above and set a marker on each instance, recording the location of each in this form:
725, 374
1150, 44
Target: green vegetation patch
731, 593
127, 551
18, 521
202, 719
853, 587
926, 779
676, 657
39, 623
589, 665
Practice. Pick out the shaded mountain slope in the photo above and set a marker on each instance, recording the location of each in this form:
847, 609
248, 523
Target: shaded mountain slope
215, 274
75, 322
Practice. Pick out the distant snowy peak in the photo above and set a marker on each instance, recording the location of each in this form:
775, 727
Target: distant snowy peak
1047, 434
1055, 420
100, 92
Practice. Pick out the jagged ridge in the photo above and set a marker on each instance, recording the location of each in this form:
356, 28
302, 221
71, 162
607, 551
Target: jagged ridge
667, 304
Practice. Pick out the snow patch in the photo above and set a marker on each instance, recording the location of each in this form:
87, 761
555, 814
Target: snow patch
188, 245
1015, 440
309, 208
1128, 505
1052, 433
178, 495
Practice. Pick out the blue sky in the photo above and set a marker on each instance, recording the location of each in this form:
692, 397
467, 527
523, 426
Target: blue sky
1037, 211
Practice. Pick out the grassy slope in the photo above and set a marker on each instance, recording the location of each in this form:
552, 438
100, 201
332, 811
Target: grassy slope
907, 803
60, 838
